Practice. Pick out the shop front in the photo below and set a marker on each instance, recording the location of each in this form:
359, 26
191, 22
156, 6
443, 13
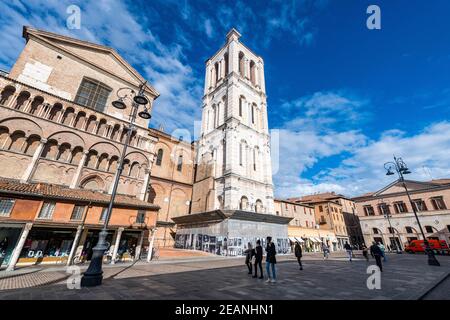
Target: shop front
9, 235
127, 246
91, 241
47, 246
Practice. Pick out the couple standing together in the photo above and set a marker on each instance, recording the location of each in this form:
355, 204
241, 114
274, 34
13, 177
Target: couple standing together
258, 254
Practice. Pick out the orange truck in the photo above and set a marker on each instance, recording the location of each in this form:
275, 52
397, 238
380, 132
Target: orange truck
418, 246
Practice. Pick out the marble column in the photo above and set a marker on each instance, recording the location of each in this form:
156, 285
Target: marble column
152, 241
75, 178
116, 245
74, 244
139, 246
30, 169
18, 249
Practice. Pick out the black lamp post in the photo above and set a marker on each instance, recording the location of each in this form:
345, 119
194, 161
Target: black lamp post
94, 274
401, 168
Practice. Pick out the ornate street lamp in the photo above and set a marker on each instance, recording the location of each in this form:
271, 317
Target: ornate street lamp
401, 168
94, 274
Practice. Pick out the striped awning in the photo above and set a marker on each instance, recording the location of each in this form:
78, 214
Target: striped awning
300, 240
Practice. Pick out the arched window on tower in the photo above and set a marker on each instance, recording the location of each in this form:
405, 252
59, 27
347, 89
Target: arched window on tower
225, 57
254, 159
159, 157
180, 163
241, 102
241, 64
243, 203
253, 72
216, 72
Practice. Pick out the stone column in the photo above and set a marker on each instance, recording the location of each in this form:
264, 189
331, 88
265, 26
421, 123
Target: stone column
75, 178
139, 246
74, 245
144, 192
116, 245
18, 249
29, 171
152, 240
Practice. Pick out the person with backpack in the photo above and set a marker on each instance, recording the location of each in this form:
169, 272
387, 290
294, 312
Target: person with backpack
349, 250
248, 257
298, 254
258, 260
326, 251
271, 252
376, 252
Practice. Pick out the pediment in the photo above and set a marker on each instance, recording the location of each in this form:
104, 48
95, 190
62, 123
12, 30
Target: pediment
397, 187
100, 56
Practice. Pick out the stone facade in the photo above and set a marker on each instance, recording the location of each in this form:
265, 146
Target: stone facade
171, 182
59, 130
431, 200
233, 151
328, 208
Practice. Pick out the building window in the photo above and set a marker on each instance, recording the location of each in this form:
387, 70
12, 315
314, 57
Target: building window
240, 107
391, 230
159, 157
47, 210
438, 203
448, 227
103, 214
419, 205
295, 208
368, 210
409, 230
320, 209
6, 206
240, 154
384, 209
140, 218
429, 229
400, 207
77, 213
180, 163
375, 230
92, 93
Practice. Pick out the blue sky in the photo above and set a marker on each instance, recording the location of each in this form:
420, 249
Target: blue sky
344, 98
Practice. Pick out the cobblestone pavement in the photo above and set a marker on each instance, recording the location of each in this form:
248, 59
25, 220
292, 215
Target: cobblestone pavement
404, 277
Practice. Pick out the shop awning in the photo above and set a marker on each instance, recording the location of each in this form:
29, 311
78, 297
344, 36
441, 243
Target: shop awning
313, 239
300, 240
292, 239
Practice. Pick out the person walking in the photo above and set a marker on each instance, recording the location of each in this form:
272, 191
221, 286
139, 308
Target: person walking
326, 251
383, 251
248, 257
271, 260
298, 254
349, 250
365, 252
376, 252
258, 260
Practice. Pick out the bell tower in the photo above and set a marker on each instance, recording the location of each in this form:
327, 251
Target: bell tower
234, 164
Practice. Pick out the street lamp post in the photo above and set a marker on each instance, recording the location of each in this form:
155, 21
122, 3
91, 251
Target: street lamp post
94, 274
401, 168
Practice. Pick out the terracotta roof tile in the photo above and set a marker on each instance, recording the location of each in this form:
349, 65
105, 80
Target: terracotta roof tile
56, 191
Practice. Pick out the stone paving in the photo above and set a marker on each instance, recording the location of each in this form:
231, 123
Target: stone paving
404, 277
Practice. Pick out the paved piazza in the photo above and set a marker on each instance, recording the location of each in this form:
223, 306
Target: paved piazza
405, 277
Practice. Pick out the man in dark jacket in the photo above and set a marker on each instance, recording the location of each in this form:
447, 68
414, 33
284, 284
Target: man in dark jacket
349, 250
258, 259
271, 260
376, 252
298, 254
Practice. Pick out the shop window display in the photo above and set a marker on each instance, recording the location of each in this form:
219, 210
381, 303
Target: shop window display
45, 243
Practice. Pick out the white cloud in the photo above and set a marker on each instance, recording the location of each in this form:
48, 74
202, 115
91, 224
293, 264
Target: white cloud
328, 125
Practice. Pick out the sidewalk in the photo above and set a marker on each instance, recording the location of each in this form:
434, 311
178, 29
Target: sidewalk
34, 276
